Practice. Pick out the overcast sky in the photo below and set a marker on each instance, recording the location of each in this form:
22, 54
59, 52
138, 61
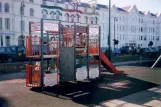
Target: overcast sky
143, 5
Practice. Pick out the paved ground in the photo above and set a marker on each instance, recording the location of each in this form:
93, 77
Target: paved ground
110, 91
147, 98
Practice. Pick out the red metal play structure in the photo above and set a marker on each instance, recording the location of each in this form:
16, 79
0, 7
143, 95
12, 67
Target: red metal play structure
64, 54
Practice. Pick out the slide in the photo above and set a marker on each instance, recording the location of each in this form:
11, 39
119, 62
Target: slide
108, 65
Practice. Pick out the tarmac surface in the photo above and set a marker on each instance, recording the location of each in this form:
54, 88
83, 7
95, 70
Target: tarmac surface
133, 89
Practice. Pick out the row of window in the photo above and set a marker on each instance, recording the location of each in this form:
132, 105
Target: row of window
7, 23
120, 37
73, 18
144, 38
75, 6
6, 7
141, 29
54, 15
93, 20
120, 27
22, 11
117, 37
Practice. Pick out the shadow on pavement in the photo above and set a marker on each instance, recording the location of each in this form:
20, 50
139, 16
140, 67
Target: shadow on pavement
97, 91
152, 98
3, 102
10, 76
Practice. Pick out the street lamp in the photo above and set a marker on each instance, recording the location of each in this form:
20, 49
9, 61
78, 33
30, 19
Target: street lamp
22, 7
109, 33
115, 19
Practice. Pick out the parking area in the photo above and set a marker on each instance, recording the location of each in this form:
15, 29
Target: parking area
101, 92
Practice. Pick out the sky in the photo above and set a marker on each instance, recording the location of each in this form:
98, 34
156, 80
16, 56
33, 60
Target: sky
153, 6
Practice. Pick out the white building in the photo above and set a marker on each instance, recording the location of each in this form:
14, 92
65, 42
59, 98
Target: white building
132, 27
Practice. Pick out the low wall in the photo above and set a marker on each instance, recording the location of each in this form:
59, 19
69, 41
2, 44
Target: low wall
12, 67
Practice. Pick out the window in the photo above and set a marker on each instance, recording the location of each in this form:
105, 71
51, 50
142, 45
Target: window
31, 12
13, 49
21, 49
141, 37
86, 19
1, 38
2, 49
67, 17
0, 7
58, 15
21, 40
7, 23
7, 40
153, 22
66, 6
22, 12
1, 24
6, 7
123, 37
85, 10
76, 7
52, 15
141, 29
77, 18
91, 20
139, 20
153, 30
117, 26
9, 50
44, 13
32, 1
96, 20
22, 26
72, 18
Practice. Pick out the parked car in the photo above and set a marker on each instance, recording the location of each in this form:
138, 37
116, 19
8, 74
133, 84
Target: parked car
127, 50
145, 51
155, 50
12, 53
116, 52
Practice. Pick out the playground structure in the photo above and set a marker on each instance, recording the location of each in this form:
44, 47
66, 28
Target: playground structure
65, 54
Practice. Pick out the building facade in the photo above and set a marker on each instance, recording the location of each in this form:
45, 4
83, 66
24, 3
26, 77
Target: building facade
128, 25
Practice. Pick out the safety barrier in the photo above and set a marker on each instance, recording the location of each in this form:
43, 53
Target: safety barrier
33, 75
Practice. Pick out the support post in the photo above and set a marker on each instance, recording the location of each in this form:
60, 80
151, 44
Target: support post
109, 32
41, 44
88, 52
75, 33
30, 61
114, 33
47, 48
99, 51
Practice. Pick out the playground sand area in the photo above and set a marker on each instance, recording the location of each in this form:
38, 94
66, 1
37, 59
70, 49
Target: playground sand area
73, 94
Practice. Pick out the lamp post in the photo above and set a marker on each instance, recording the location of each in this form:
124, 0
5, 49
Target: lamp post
109, 33
22, 7
115, 19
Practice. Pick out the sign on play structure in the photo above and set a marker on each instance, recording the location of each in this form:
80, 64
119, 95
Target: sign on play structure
52, 27
93, 30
